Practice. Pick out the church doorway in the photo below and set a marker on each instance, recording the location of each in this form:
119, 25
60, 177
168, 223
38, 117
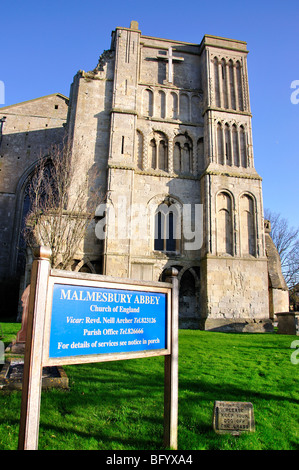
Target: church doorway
189, 301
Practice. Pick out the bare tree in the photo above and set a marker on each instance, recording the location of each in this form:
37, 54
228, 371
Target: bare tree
61, 210
286, 240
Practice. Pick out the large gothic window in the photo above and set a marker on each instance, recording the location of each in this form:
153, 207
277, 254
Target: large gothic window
21, 250
26, 198
164, 239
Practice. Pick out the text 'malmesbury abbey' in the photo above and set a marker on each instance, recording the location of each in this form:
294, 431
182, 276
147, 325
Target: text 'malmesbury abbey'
167, 124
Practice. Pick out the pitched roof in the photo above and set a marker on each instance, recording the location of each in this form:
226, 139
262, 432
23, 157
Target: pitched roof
65, 98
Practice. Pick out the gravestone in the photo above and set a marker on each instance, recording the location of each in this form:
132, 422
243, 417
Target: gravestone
286, 323
11, 376
231, 417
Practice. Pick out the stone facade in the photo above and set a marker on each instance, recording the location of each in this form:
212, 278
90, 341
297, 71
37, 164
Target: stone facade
29, 129
168, 123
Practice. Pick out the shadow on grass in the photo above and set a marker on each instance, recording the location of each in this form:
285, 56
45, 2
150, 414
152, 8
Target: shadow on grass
106, 440
200, 389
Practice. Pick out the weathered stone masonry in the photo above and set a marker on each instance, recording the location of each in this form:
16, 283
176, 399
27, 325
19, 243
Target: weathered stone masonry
166, 122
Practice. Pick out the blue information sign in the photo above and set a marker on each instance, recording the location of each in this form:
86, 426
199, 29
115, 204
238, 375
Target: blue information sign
98, 320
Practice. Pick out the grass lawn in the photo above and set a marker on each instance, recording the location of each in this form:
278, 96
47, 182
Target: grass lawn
119, 405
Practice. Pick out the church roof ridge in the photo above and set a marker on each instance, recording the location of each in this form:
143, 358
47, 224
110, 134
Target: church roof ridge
238, 43
224, 38
35, 99
224, 43
170, 40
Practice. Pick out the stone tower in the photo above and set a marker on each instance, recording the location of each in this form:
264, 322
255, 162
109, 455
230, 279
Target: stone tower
168, 123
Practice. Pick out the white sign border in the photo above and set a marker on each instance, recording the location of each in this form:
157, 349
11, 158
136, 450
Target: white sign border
79, 281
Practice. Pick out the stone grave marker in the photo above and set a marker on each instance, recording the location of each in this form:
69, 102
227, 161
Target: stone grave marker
231, 417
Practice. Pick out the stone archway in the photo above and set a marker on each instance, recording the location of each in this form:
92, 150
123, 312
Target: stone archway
189, 298
189, 312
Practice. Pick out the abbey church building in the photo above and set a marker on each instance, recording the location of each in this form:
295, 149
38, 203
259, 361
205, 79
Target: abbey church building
167, 124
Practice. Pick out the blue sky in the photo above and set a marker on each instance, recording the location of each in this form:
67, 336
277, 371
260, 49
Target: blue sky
44, 44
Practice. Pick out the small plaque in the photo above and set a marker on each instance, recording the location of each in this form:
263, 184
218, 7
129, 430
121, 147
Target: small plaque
233, 417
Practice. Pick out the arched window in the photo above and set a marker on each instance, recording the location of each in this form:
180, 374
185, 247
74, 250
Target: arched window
162, 104
33, 190
228, 150
174, 106
232, 85
162, 155
220, 153
224, 83
177, 157
139, 150
186, 158
158, 151
195, 108
216, 83
236, 156
183, 154
243, 151
247, 226
153, 154
167, 228
224, 224
239, 85
148, 103
21, 250
184, 107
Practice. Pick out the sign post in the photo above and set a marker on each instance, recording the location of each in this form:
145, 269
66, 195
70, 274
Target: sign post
77, 318
32, 375
171, 374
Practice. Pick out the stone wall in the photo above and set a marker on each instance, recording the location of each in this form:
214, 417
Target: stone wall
236, 293
29, 131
